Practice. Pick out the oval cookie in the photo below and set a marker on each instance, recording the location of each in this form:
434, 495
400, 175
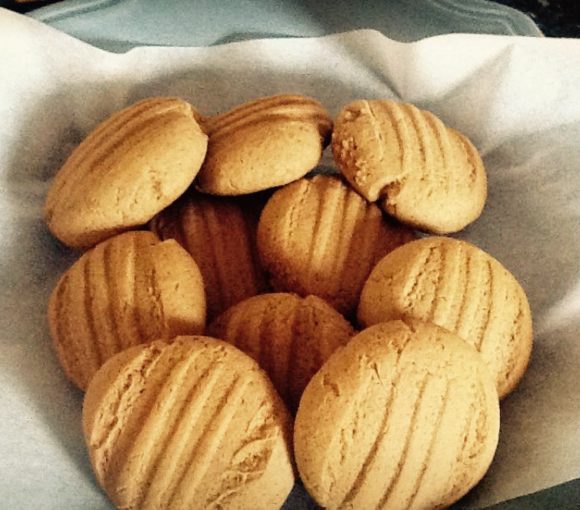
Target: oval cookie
290, 337
220, 234
129, 168
194, 424
318, 236
263, 144
127, 290
425, 174
459, 287
405, 416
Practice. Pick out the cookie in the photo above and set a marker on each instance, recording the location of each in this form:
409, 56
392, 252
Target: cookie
459, 287
193, 424
318, 236
263, 144
424, 173
129, 168
405, 416
289, 336
220, 234
127, 290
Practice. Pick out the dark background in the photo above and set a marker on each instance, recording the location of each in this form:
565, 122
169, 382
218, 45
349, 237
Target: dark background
556, 18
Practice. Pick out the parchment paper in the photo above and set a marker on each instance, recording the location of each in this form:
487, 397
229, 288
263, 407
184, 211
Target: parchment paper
518, 99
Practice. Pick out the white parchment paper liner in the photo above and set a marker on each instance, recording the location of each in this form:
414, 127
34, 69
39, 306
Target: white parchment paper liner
518, 99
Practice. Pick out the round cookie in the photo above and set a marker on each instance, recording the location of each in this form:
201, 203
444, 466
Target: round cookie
127, 290
318, 236
263, 144
425, 174
405, 416
460, 287
289, 336
192, 424
129, 168
220, 234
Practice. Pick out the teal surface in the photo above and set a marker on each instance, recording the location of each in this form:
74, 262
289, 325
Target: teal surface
118, 25
561, 497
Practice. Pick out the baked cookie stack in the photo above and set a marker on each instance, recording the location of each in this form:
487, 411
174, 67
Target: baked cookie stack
342, 346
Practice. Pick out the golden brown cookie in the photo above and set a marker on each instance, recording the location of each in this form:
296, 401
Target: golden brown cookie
191, 424
405, 416
127, 290
459, 287
425, 174
263, 144
220, 234
289, 336
318, 236
130, 167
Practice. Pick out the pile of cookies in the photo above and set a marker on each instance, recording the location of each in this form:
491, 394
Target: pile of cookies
237, 322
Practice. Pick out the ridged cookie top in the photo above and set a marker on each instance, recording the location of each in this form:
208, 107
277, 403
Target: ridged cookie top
220, 234
290, 337
459, 287
289, 107
263, 144
125, 291
318, 236
405, 416
430, 176
129, 168
193, 424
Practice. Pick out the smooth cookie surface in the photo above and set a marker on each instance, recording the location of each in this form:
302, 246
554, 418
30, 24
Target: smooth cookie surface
405, 416
191, 424
459, 287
